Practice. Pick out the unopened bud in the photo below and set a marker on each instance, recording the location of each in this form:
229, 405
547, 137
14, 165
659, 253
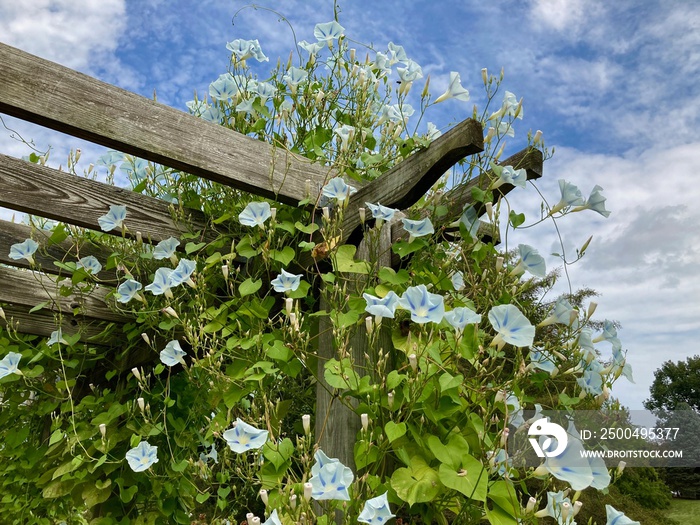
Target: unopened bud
77, 154
530, 505
224, 270
308, 489
485, 75
136, 373
2, 314
576, 508
369, 325
362, 213
139, 237
142, 405
565, 511
591, 309
489, 210
413, 361
504, 436
326, 213
390, 400
621, 467
103, 430
499, 264
490, 134
364, 418
249, 518
145, 337
306, 423
537, 138
293, 501
168, 310
426, 88
263, 496
273, 213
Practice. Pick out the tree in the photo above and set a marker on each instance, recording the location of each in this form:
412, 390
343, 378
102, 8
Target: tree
676, 383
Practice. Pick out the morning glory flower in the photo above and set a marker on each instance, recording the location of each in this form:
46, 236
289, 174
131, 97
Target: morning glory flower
601, 475
433, 132
424, 306
161, 283
330, 478
273, 519
382, 307
182, 273
570, 466
90, 263
461, 317
511, 326
223, 88
196, 106
135, 168
328, 32
563, 313
508, 175
312, 49
591, 382
211, 114
244, 437
10, 364
165, 249
382, 64
376, 511
542, 360
212, 454
515, 411
454, 90
110, 158
470, 220
508, 107
554, 505
397, 54
381, 212
294, 77
615, 517
418, 228
113, 218
245, 49
346, 133
24, 250
286, 282
609, 334
408, 74
337, 189
56, 337
620, 366
172, 354
128, 290
499, 461
595, 202
531, 261
246, 106
265, 90
570, 196
457, 280
255, 214
142, 456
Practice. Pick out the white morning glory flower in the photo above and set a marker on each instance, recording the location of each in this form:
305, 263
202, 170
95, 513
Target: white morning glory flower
286, 282
508, 107
246, 106
511, 326
542, 361
601, 475
382, 307
128, 290
346, 133
470, 220
376, 511
337, 189
454, 90
56, 337
172, 354
457, 280
273, 519
161, 283
223, 88
265, 90
24, 250
508, 175
515, 411
312, 49
90, 263
418, 228
615, 517
329, 31
382, 64
461, 317
211, 114
411, 72
563, 313
381, 212
255, 214
245, 49
424, 306
294, 77
571, 466
182, 273
196, 106
142, 456
433, 132
330, 478
114, 218
570, 196
554, 505
531, 261
165, 249
244, 437
10, 364
585, 343
595, 202
212, 454
110, 158
609, 334
591, 382
397, 54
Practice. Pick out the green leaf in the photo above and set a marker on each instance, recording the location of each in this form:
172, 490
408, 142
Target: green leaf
417, 484
39, 307
201, 498
503, 494
478, 195
307, 229
388, 275
394, 431
180, 466
498, 516
249, 286
285, 256
94, 496
471, 479
192, 247
56, 436
345, 261
516, 219
365, 454
58, 235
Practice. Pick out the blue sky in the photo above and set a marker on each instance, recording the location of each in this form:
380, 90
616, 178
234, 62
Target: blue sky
612, 85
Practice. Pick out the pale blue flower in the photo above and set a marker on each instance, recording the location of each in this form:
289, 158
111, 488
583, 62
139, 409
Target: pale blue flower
462, 316
586, 345
411, 72
397, 54
212, 454
113, 218
433, 132
615, 517
554, 505
390, 114
223, 88
255, 214
265, 90
382, 307
24, 250
424, 306
286, 282
245, 49
196, 106
212, 114
172, 354
165, 249
110, 158
454, 90
508, 175
328, 31
595, 202
273, 519
330, 478
161, 282
312, 49
511, 326
620, 366
142, 456
457, 280
337, 189
294, 77
135, 168
346, 133
541, 360
609, 334
128, 290
505, 128
570, 466
470, 220
563, 313
531, 261
10, 364
508, 107
381, 212
499, 462
246, 106
515, 411
376, 511
55, 338
244, 437
570, 196
591, 382
182, 273
90, 264
601, 475
418, 228
382, 64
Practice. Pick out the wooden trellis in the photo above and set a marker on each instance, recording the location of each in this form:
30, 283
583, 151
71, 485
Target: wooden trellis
59, 98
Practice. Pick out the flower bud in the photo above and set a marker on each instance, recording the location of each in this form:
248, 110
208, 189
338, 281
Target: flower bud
364, 418
168, 310
490, 134
591, 309
306, 423
2, 314
426, 91
504, 436
537, 138
293, 501
289, 305
249, 518
390, 400
142, 405
224, 270
308, 489
103, 430
500, 396
139, 237
255, 521
565, 511
362, 213
577, 506
77, 154
369, 325
326, 213
413, 361
263, 496
136, 373
499, 264
145, 337
621, 467
530, 505
273, 213
489, 210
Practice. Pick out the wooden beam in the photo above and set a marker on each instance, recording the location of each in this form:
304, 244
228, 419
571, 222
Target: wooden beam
59, 98
26, 288
64, 197
43, 322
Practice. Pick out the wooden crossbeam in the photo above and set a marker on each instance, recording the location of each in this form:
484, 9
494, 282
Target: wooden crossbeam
43, 323
68, 198
59, 98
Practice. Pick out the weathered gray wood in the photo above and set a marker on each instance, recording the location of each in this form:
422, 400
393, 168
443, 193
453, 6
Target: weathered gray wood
13, 233
61, 196
43, 322
27, 288
54, 96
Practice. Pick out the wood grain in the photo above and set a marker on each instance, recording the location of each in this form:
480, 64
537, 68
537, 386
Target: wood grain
43, 323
